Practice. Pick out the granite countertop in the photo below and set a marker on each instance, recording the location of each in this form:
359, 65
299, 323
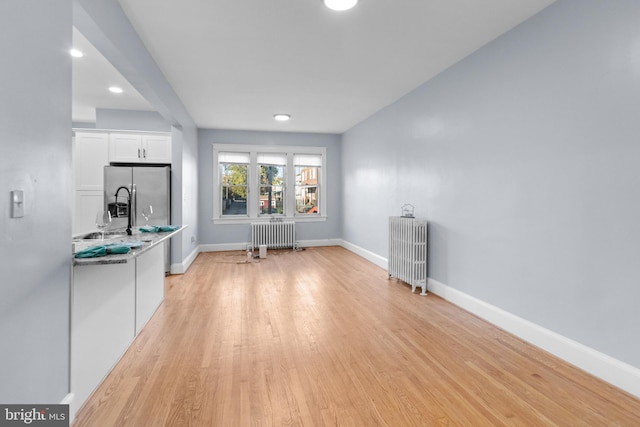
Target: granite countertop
148, 240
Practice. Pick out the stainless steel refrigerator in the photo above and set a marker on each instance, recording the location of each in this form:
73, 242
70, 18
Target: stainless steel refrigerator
146, 185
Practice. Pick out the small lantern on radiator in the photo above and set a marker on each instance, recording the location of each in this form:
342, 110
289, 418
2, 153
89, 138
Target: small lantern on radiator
407, 211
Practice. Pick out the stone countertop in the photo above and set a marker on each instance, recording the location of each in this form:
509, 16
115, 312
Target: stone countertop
149, 240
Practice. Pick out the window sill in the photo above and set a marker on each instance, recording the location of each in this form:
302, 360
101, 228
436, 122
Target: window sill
247, 220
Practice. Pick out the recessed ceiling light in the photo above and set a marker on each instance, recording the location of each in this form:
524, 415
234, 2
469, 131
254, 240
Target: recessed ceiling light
115, 89
340, 4
76, 53
282, 117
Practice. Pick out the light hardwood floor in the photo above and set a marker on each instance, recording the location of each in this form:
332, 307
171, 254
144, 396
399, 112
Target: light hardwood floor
321, 337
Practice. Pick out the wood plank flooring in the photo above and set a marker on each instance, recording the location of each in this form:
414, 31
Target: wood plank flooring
321, 337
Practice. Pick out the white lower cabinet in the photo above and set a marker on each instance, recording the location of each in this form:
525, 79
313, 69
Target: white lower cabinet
149, 284
102, 324
110, 305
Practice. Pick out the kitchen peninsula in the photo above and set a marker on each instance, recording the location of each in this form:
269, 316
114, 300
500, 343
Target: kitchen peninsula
112, 298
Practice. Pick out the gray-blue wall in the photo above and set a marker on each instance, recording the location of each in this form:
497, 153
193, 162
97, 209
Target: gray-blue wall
109, 118
222, 234
35, 251
525, 159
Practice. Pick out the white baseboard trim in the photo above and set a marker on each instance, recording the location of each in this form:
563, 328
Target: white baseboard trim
319, 242
368, 255
180, 268
600, 365
221, 247
67, 399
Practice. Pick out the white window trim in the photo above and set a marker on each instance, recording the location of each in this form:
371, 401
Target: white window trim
253, 192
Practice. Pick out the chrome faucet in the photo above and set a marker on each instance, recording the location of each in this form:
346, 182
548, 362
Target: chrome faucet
128, 207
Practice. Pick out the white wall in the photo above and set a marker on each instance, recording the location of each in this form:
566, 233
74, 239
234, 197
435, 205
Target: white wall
185, 194
524, 157
35, 251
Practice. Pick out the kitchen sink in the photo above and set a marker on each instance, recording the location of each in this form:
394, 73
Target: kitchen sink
108, 235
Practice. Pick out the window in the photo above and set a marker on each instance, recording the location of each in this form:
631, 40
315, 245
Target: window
307, 169
234, 171
268, 181
272, 183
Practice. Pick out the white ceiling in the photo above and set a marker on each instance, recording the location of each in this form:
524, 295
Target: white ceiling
235, 63
92, 77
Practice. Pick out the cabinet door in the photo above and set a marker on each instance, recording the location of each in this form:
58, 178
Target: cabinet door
102, 323
156, 148
149, 284
90, 155
125, 148
86, 206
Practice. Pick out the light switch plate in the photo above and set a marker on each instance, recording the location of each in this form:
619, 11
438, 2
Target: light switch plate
17, 204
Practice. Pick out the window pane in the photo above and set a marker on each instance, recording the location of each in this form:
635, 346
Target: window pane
232, 202
307, 175
307, 189
271, 200
234, 189
307, 200
271, 190
271, 175
234, 174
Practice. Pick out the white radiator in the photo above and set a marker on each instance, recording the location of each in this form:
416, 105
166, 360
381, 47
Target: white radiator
274, 235
408, 251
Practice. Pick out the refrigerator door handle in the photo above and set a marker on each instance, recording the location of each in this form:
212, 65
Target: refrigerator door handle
138, 152
134, 204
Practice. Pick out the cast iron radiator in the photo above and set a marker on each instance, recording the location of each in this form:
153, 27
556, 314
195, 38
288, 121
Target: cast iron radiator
274, 234
408, 251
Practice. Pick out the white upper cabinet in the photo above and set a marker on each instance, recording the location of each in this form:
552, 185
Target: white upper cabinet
156, 148
125, 148
91, 153
139, 148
